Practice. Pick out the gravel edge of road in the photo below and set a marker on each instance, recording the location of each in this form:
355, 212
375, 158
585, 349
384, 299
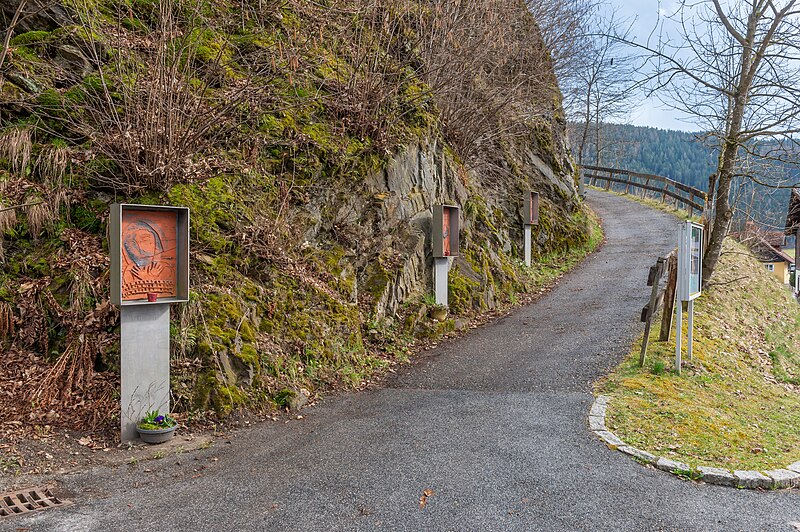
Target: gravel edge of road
788, 477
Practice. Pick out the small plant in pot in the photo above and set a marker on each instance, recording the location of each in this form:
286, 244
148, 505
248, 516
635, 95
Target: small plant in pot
156, 428
439, 312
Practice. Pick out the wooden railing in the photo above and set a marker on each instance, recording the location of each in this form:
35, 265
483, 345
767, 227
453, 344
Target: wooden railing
649, 185
660, 296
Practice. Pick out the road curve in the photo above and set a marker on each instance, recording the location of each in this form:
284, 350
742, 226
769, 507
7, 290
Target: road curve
493, 424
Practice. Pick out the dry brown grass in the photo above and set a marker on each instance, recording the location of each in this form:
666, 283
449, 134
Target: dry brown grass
16, 146
6, 321
41, 216
8, 217
51, 166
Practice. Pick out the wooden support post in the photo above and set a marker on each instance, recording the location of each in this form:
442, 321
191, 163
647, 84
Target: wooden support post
705, 210
669, 297
664, 193
691, 199
656, 272
644, 190
796, 259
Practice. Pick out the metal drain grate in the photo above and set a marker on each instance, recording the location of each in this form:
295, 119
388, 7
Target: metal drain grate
29, 500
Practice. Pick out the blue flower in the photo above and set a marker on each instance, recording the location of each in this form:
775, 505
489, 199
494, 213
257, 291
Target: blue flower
159, 419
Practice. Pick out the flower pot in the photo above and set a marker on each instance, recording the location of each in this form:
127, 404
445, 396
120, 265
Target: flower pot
439, 313
157, 435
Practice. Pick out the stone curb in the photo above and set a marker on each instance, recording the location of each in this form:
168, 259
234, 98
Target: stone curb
789, 477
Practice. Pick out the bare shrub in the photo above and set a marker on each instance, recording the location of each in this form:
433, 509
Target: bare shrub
159, 107
490, 74
483, 63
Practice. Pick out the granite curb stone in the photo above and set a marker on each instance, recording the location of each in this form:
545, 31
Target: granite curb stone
672, 466
770, 479
597, 423
598, 409
639, 454
752, 479
610, 438
716, 475
783, 478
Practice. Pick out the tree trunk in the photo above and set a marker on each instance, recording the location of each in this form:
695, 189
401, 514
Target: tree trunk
724, 212
722, 220
737, 103
724, 174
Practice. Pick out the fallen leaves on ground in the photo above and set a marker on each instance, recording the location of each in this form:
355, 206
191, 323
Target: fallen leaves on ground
423, 500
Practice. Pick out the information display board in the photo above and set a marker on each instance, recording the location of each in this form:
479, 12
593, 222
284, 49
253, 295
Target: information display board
149, 248
530, 210
690, 261
445, 230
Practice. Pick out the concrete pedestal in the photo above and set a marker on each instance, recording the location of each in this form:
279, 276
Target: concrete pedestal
441, 266
527, 245
144, 363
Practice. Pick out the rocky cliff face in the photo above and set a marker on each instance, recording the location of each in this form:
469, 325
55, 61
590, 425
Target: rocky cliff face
311, 204
392, 218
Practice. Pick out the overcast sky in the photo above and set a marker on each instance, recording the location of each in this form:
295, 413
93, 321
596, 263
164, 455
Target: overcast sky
644, 15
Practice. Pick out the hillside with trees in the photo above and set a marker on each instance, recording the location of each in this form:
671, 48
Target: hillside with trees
682, 156
676, 154
310, 141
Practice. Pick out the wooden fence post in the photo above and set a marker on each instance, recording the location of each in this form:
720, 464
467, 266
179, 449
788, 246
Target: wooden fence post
656, 272
669, 296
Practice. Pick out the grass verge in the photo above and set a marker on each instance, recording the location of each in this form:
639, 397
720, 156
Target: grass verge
736, 404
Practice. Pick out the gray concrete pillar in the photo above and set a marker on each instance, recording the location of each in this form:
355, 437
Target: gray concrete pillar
527, 245
441, 266
144, 363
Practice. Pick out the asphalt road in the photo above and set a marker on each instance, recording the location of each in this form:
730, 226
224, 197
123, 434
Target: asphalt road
494, 424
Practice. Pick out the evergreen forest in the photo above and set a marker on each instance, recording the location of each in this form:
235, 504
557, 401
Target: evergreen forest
684, 157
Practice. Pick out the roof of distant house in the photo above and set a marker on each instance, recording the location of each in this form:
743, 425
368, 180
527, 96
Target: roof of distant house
766, 252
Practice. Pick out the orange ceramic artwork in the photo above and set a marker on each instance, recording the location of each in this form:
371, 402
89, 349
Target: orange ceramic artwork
149, 262
532, 213
446, 231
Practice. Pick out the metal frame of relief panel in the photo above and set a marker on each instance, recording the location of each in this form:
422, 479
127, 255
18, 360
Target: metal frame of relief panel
181, 254
685, 231
530, 212
437, 238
